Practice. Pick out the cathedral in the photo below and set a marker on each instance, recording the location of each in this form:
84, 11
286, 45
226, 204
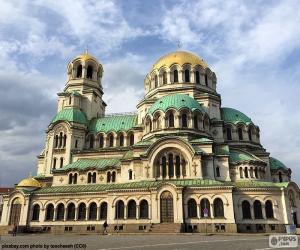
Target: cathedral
180, 163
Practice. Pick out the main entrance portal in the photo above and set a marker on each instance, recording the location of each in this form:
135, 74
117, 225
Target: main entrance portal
15, 212
166, 207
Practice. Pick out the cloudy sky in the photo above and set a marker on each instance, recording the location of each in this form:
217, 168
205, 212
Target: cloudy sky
253, 46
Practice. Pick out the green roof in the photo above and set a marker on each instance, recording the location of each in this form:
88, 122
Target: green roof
131, 185
70, 115
262, 184
276, 164
239, 156
221, 150
234, 116
201, 140
113, 123
85, 164
176, 101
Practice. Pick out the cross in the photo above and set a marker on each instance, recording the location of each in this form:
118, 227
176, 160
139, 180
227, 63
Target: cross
61, 179
179, 45
195, 166
86, 50
147, 169
82, 178
101, 178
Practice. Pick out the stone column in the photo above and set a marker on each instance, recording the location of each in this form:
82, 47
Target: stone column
98, 213
252, 212
198, 211
168, 77
181, 168
160, 170
125, 212
264, 211
137, 211
65, 214
86, 213
54, 214
167, 169
76, 214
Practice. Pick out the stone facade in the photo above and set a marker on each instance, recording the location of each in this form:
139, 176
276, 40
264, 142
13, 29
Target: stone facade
181, 161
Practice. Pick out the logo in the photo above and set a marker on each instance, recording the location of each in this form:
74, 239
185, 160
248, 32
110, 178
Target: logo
279, 241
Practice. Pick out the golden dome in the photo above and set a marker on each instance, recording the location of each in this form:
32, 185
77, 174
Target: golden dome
29, 183
179, 57
86, 56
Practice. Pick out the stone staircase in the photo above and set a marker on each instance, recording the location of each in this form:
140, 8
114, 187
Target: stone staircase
165, 228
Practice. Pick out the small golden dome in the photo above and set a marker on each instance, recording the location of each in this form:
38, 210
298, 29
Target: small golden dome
29, 183
179, 57
85, 57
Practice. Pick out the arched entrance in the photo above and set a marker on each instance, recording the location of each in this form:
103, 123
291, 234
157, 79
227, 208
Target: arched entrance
166, 207
15, 212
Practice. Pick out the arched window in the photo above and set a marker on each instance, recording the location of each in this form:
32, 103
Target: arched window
121, 140
70, 100
61, 162
197, 74
65, 141
251, 172
108, 177
76, 143
246, 172
206, 79
94, 178
228, 132
49, 212
131, 139
103, 211
101, 141
218, 171
111, 140
184, 120
113, 177
93, 211
70, 178
218, 208
75, 178
89, 180
155, 81
171, 120
177, 166
246, 209
204, 204
241, 173
130, 174
171, 165
256, 173
257, 210
71, 212
192, 208
60, 139
91, 141
131, 209
79, 71
240, 132
36, 212
56, 141
82, 211
196, 122
187, 75
269, 209
144, 210
54, 163
119, 210
280, 176
165, 78
60, 212
250, 135
164, 166
175, 75
89, 72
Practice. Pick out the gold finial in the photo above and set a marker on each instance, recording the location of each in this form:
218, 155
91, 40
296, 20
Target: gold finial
179, 45
86, 50
29, 176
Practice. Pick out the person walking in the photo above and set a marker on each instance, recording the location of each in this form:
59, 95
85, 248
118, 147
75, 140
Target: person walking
105, 226
14, 232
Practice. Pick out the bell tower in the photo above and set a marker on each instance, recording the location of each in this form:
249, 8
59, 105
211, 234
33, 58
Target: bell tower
83, 89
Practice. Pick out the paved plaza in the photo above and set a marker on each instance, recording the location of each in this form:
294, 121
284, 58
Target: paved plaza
100, 242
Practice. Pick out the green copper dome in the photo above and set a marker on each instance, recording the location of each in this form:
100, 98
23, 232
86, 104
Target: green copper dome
234, 116
176, 101
276, 164
70, 115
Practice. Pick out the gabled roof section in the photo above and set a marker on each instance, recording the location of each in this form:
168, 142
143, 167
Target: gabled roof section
86, 164
176, 101
234, 116
276, 164
113, 123
71, 115
237, 156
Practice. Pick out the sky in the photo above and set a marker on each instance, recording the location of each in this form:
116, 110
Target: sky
252, 46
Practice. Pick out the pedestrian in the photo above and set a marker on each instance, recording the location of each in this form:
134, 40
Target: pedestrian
105, 226
14, 232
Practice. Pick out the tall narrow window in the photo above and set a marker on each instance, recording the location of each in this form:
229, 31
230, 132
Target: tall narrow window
111, 140
184, 120
82, 211
197, 74
131, 140
76, 143
70, 178
280, 176
56, 141
175, 75
130, 174
257, 210
70, 100
171, 165
218, 171
206, 79
155, 81
49, 212
192, 208
144, 210
196, 122
131, 209
79, 71
60, 212
119, 210
93, 211
246, 172
171, 120
240, 132
103, 211
205, 205
61, 162
60, 139
65, 141
54, 163
250, 135
101, 141
113, 177
228, 132
165, 78
269, 209
218, 208
89, 178
36, 212
241, 173
91, 141
246, 209
256, 173
75, 178
108, 177
121, 140
187, 75
71, 212
89, 72
94, 177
